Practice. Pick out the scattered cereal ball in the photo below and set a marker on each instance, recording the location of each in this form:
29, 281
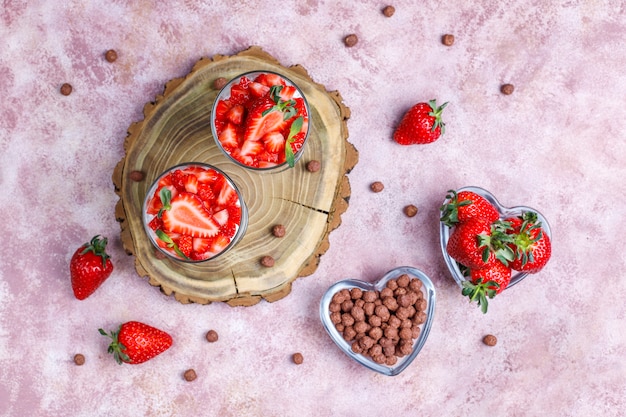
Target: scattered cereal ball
351, 40
279, 230
507, 89
298, 358
190, 375
490, 340
136, 176
389, 11
267, 261
110, 55
313, 166
66, 89
410, 210
447, 39
212, 336
219, 83
377, 186
79, 359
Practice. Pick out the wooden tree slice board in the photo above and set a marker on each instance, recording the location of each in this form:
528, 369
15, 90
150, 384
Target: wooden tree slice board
176, 129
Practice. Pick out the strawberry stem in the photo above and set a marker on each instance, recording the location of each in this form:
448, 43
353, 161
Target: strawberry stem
524, 240
98, 247
479, 292
436, 113
166, 199
450, 210
116, 348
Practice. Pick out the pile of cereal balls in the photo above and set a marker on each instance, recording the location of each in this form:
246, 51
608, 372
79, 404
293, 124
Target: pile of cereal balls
381, 324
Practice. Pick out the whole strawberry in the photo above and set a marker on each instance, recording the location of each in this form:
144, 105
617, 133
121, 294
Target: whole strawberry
486, 283
421, 124
465, 205
531, 244
136, 342
476, 241
90, 266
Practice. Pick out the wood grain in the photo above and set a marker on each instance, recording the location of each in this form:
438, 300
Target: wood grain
176, 129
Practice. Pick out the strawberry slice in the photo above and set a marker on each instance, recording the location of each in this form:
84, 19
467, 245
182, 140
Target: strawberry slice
258, 90
226, 195
251, 148
154, 205
239, 94
155, 223
267, 156
201, 245
221, 217
274, 142
235, 114
269, 79
205, 192
234, 214
185, 244
188, 216
244, 82
268, 164
287, 92
208, 176
221, 109
178, 178
219, 243
191, 183
263, 119
229, 138
244, 159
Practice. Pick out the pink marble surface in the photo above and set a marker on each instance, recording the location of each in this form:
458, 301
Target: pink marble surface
556, 144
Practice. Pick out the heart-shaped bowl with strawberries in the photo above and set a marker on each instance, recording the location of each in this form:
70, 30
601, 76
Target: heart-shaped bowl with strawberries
382, 325
260, 121
504, 213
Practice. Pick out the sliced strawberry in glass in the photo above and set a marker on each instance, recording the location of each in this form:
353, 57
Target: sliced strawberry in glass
187, 215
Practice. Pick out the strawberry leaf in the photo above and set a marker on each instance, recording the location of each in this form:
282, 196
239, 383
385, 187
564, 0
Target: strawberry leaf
296, 126
286, 107
170, 243
480, 292
166, 198
116, 348
98, 247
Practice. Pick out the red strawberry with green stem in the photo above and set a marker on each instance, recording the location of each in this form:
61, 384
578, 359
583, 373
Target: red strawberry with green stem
136, 342
465, 205
474, 242
421, 124
90, 266
531, 244
486, 283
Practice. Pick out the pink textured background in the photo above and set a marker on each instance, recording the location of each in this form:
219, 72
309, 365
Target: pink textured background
556, 144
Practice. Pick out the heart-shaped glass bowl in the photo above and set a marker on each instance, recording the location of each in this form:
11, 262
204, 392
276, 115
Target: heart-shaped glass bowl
505, 212
428, 290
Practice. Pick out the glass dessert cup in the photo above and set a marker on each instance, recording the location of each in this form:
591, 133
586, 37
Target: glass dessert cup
261, 121
428, 291
193, 212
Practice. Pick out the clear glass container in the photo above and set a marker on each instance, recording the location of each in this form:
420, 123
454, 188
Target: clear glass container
225, 94
149, 214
